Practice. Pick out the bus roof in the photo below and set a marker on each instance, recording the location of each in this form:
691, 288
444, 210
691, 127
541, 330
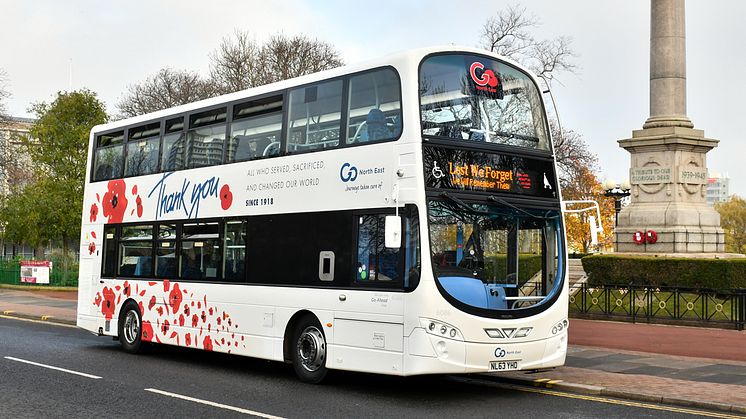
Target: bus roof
399, 59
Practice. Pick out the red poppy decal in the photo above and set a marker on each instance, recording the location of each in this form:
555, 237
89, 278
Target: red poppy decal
226, 197
174, 299
138, 201
115, 201
93, 213
91, 248
108, 305
163, 321
147, 331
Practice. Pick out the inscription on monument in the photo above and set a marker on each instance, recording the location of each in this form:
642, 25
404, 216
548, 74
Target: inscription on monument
693, 175
651, 174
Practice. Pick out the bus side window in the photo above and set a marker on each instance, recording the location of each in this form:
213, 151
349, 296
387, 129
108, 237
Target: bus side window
375, 262
315, 117
110, 252
109, 157
374, 107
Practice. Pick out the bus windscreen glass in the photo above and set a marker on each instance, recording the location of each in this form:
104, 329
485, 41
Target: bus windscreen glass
474, 98
494, 257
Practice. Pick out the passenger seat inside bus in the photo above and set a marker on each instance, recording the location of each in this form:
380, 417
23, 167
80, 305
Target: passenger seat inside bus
376, 127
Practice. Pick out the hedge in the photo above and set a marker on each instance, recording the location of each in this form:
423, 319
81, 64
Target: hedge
663, 271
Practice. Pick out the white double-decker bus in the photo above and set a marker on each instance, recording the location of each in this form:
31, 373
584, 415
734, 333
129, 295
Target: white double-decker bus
400, 217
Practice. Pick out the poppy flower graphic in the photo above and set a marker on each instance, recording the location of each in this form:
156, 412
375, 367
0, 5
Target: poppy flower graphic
126, 288
188, 339
108, 305
97, 301
174, 298
91, 248
147, 331
226, 197
151, 304
195, 320
165, 326
207, 343
138, 201
115, 201
93, 213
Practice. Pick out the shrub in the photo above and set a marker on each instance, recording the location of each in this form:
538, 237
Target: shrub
662, 271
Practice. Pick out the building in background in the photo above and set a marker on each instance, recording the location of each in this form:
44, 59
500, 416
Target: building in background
717, 188
15, 171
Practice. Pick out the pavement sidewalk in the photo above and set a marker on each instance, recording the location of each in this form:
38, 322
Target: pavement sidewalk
685, 366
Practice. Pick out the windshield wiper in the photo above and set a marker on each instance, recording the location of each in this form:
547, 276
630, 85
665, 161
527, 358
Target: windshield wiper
521, 210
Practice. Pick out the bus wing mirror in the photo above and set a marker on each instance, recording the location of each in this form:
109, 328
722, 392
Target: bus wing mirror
393, 231
594, 230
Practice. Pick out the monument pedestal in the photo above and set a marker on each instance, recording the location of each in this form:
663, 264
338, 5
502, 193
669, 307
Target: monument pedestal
669, 181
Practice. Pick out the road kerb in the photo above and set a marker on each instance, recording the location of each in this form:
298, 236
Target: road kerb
619, 394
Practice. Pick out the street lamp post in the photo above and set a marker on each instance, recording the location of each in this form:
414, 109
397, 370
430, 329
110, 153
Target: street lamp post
618, 192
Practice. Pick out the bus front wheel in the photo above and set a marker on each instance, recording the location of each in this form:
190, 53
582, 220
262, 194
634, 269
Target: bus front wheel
130, 328
309, 351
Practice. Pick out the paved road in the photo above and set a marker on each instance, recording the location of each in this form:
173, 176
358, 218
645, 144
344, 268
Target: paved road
160, 382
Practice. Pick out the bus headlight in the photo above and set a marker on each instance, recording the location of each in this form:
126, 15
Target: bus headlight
441, 330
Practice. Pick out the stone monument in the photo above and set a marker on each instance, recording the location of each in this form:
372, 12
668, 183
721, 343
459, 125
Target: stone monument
668, 212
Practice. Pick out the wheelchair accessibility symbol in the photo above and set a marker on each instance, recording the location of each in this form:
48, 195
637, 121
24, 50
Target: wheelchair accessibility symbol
437, 173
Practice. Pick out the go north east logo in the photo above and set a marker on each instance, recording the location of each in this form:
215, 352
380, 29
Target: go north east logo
486, 80
348, 173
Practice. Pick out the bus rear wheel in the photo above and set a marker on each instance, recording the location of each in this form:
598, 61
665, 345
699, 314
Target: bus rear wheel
130, 328
309, 351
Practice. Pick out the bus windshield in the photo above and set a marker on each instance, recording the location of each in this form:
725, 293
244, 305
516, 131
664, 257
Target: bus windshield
475, 98
494, 257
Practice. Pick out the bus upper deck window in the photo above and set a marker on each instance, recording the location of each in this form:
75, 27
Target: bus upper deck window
143, 144
206, 138
109, 158
374, 107
315, 117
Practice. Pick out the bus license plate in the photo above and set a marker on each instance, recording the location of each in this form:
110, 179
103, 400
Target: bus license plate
504, 365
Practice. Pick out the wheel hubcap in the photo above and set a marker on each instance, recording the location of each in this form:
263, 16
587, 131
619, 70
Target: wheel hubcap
312, 349
131, 326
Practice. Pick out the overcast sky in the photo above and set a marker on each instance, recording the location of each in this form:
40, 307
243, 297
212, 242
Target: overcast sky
112, 44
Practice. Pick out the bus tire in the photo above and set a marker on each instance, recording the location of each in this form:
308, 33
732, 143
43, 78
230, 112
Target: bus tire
309, 350
130, 328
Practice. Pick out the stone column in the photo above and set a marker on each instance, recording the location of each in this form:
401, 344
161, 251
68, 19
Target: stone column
667, 65
668, 156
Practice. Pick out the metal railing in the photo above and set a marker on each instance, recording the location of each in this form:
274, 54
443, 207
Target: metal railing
671, 305
10, 273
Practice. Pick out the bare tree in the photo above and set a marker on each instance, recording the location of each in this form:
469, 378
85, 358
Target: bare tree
4, 94
165, 89
509, 33
572, 154
238, 63
285, 57
234, 65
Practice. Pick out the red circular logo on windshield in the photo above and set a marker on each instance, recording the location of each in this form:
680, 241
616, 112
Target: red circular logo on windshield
486, 78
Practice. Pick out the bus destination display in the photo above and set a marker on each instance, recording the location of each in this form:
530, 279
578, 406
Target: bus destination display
447, 168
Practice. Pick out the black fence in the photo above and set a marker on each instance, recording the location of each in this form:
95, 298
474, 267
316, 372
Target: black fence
670, 305
10, 273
